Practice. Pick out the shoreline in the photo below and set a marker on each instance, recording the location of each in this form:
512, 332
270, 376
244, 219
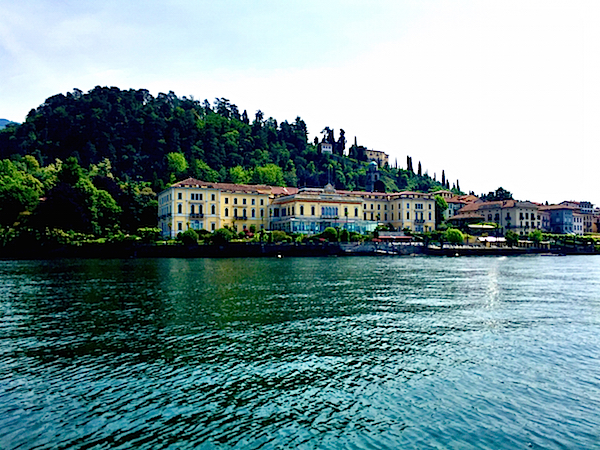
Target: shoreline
250, 250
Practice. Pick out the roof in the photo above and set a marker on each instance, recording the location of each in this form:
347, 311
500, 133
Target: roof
556, 207
246, 188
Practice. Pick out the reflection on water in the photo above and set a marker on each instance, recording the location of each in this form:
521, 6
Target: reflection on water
409, 352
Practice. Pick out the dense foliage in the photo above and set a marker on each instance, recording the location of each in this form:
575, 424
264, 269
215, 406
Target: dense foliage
166, 138
88, 165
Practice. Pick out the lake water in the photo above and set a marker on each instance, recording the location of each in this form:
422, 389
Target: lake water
388, 352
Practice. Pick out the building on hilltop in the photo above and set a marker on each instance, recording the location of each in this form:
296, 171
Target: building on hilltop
381, 158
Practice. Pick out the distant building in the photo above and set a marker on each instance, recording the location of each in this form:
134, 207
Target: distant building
381, 158
561, 218
586, 210
520, 217
326, 147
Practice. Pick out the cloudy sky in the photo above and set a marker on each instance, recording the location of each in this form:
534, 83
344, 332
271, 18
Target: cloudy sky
496, 93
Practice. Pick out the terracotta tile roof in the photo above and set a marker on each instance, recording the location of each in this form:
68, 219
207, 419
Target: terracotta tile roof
247, 188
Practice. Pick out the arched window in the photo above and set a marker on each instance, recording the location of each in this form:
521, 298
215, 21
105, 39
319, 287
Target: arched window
199, 209
213, 209
253, 212
179, 208
226, 212
301, 210
192, 209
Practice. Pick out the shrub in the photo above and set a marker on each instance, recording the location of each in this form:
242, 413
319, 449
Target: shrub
148, 234
454, 236
188, 237
330, 234
344, 235
222, 235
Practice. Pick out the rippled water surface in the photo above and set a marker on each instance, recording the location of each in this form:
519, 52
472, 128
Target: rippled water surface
413, 352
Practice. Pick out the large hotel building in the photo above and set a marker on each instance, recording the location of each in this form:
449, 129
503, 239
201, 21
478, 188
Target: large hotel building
202, 205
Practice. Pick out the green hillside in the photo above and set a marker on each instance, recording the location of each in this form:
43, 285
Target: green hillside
98, 158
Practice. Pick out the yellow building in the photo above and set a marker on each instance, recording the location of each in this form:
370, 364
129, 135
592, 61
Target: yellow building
313, 210
411, 210
200, 205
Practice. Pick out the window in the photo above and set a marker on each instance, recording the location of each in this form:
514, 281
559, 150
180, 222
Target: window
244, 213
253, 212
226, 212
192, 209
243, 201
179, 196
253, 201
379, 207
301, 210
200, 209
312, 210
226, 200
235, 200
262, 202
213, 209
385, 217
355, 212
179, 226
345, 212
212, 197
179, 208
407, 215
429, 215
392, 216
212, 226
430, 206
408, 206
371, 205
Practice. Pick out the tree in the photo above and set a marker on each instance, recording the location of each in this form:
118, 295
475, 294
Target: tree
454, 236
19, 192
270, 174
536, 236
500, 194
511, 237
176, 163
440, 206
239, 175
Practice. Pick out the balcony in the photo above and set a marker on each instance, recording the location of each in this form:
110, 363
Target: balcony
196, 216
420, 221
240, 217
164, 216
329, 216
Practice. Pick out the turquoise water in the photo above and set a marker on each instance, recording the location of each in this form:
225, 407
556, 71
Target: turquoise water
389, 352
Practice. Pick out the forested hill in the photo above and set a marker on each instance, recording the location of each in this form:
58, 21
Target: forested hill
166, 138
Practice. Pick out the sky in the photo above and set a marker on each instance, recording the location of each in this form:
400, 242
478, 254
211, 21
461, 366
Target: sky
495, 93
